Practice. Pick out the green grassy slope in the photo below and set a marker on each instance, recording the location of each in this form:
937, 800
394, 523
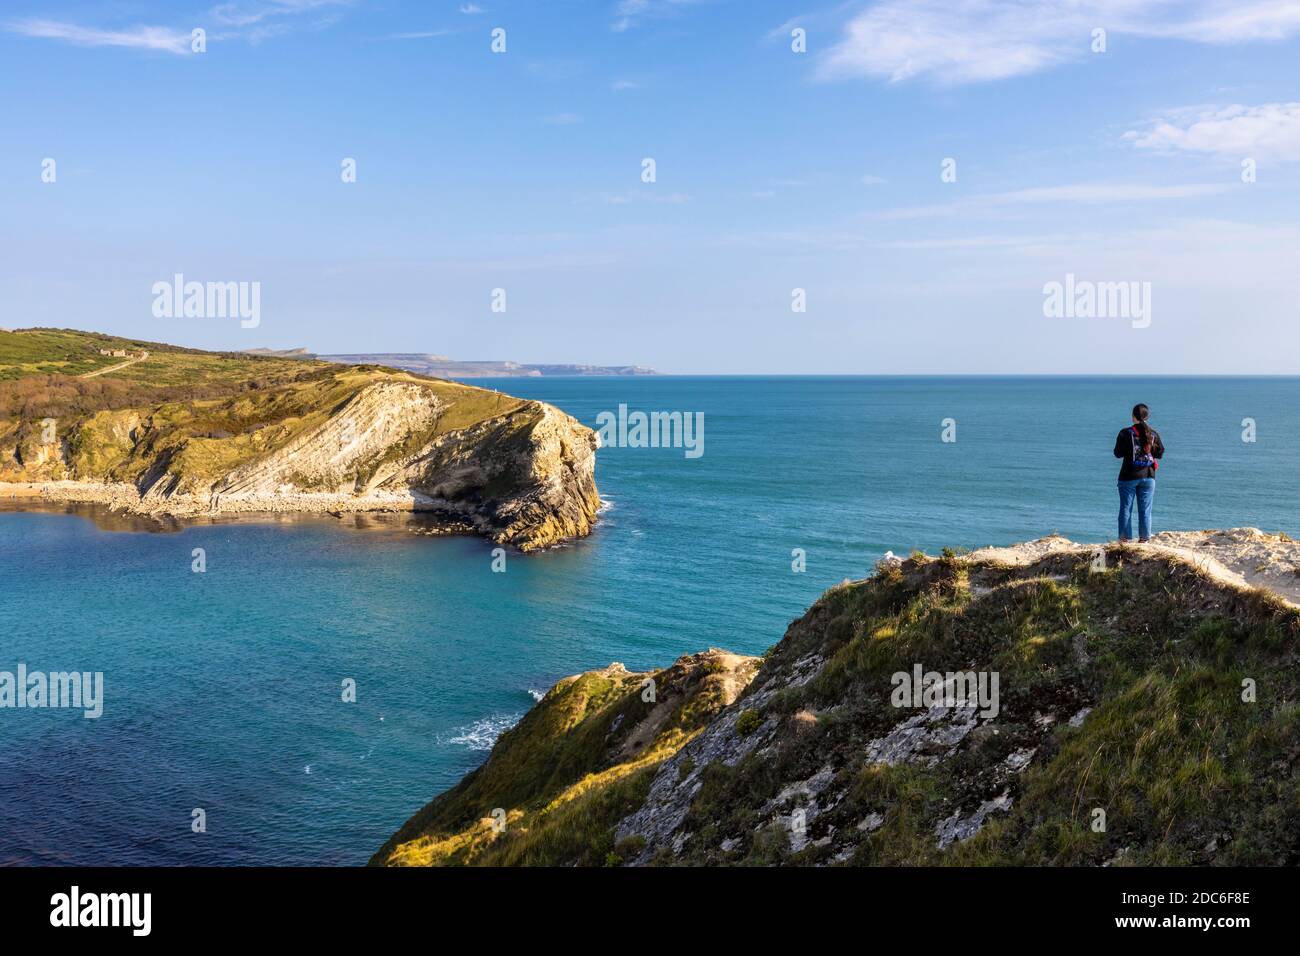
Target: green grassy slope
578, 761
1121, 691
1185, 771
26, 352
204, 413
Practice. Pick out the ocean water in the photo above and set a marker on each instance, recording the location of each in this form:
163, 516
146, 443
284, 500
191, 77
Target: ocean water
223, 689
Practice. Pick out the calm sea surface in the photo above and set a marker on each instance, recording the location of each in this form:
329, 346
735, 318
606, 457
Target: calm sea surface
223, 688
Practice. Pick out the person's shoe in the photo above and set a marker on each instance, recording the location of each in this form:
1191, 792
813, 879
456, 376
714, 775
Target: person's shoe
1144, 540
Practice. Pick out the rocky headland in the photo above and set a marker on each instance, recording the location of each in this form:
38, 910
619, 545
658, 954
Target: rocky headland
1144, 712
187, 434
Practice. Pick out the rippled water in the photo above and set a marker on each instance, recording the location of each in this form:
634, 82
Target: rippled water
223, 688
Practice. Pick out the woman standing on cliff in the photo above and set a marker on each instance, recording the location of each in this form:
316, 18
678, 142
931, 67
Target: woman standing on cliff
1141, 449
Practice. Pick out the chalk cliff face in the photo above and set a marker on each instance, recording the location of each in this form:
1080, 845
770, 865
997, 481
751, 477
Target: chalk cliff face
1144, 713
526, 478
546, 477
323, 439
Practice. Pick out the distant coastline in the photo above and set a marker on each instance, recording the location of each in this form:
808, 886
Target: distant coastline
441, 366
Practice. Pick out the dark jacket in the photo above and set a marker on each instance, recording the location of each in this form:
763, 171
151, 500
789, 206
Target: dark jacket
1126, 443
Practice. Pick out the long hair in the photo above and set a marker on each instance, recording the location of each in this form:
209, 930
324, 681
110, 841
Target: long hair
1140, 413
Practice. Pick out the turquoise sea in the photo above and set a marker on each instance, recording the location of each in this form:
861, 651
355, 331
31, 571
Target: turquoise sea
222, 689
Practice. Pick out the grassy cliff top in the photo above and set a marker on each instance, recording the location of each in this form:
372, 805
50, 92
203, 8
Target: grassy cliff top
25, 352
64, 360
207, 412
1148, 713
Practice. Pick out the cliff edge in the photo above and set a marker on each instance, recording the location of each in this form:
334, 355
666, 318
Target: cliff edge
1051, 703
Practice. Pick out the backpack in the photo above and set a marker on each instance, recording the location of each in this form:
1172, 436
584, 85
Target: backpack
1141, 460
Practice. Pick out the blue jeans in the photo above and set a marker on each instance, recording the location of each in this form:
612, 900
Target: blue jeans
1144, 489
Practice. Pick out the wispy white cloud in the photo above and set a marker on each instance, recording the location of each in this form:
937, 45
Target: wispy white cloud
1069, 193
631, 13
1233, 22
1269, 131
1206, 235
645, 195
774, 186
256, 19
1106, 192
241, 13
135, 37
823, 22
620, 86
978, 242
420, 35
556, 69
562, 119
471, 9
966, 41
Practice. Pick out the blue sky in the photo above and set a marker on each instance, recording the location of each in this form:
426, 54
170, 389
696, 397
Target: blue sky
776, 170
